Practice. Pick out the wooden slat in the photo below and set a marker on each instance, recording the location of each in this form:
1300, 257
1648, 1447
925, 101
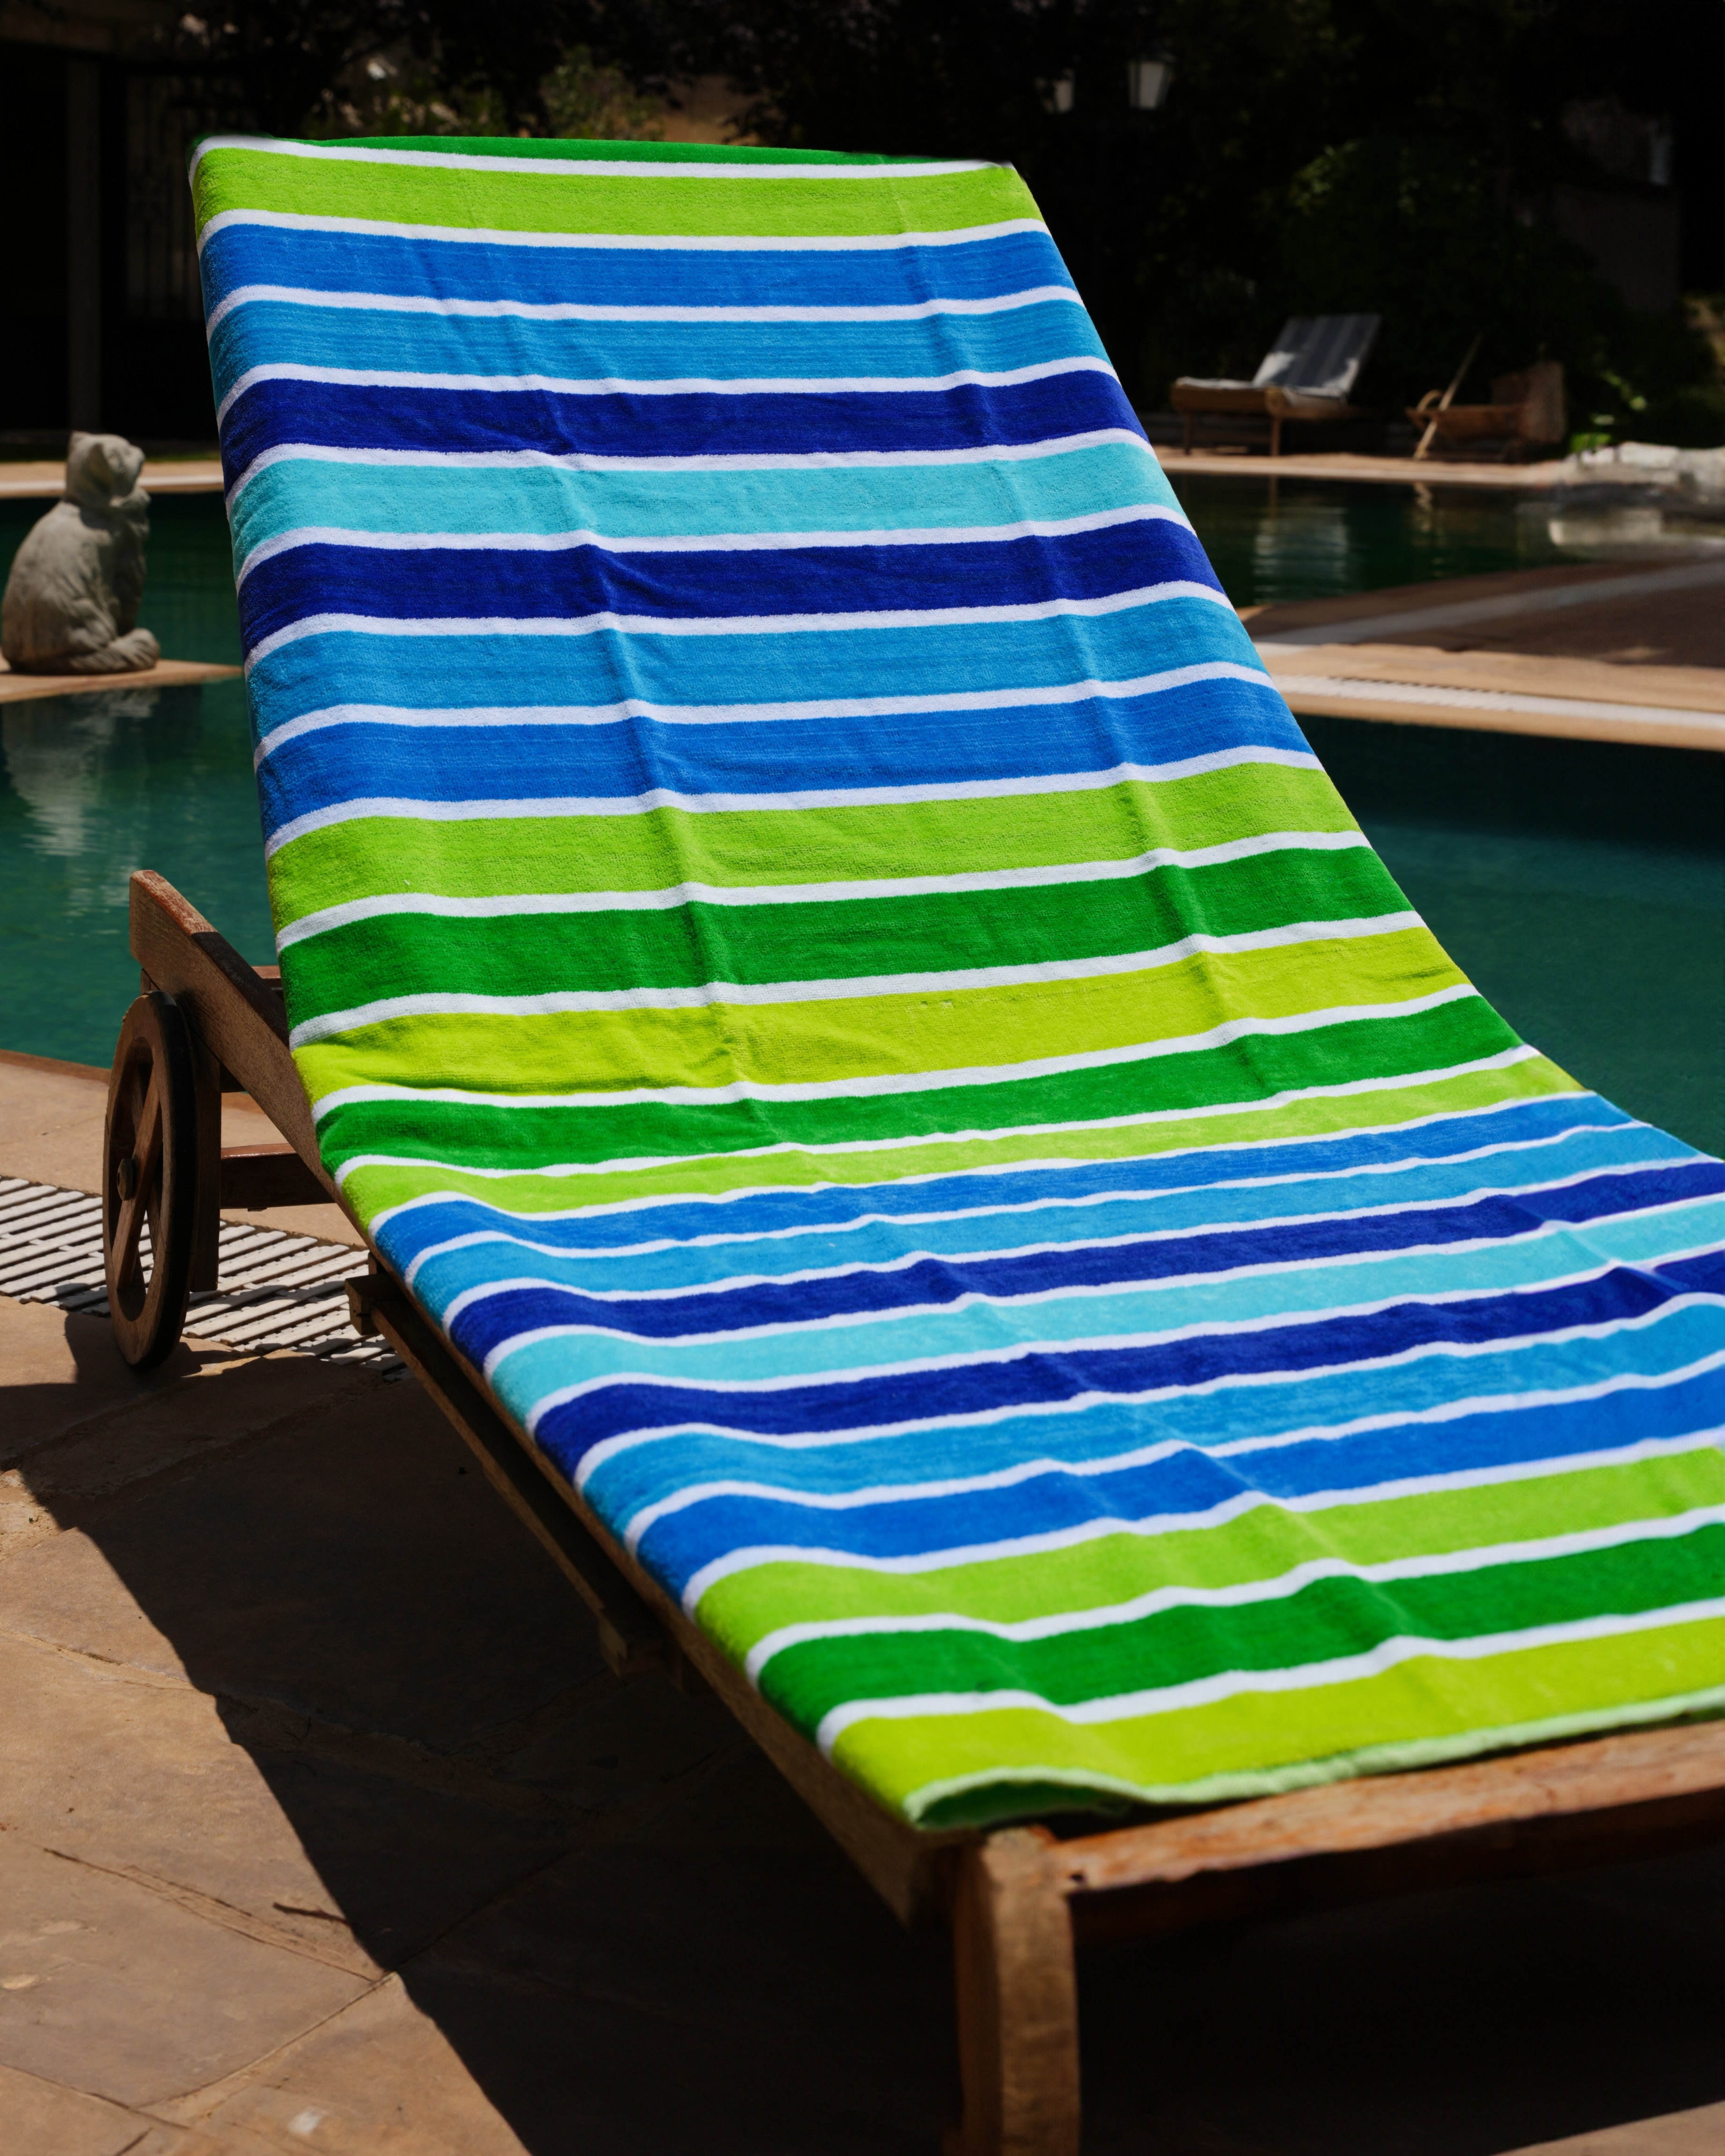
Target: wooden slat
1550, 1809
251, 1178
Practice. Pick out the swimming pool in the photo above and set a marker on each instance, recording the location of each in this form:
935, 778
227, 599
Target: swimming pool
1581, 885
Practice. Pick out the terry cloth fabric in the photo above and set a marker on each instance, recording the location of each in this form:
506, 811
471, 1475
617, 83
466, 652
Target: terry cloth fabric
820, 956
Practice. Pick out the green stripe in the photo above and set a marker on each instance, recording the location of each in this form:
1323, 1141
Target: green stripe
1325, 1621
890, 1037
946, 932
477, 1136
1253, 1743
528, 855
744, 1607
372, 1189
669, 205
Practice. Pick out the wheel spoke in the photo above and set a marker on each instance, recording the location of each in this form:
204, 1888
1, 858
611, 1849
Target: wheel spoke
147, 1149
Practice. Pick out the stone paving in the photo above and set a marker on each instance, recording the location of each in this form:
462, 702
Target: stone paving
322, 1826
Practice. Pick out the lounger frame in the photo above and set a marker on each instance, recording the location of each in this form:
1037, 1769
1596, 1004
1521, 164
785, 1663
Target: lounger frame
1016, 1900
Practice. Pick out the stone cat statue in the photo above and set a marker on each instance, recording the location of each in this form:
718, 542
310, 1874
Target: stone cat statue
71, 603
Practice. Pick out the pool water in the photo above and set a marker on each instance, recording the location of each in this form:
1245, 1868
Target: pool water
1278, 540
1581, 885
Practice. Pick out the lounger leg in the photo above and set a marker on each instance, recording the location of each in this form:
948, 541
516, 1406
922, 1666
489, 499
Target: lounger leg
206, 1077
1276, 434
1018, 2001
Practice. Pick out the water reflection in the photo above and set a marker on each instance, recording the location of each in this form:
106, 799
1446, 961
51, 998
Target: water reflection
93, 785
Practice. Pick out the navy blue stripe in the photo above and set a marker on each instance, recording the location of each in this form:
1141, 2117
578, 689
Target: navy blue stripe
1047, 1376
787, 422
676, 1547
404, 1237
512, 583
621, 759
1090, 1438
625, 277
933, 1283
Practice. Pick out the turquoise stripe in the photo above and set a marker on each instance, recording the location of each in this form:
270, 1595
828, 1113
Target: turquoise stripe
264, 332
988, 656
1673, 1339
301, 491
1303, 1291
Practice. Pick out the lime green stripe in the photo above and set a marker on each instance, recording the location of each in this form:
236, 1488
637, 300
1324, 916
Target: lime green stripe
1261, 1545
373, 1189
668, 204
1242, 1742
504, 857
780, 948
1321, 1622
713, 1045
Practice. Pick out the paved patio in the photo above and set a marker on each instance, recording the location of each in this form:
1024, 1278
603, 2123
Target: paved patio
323, 1827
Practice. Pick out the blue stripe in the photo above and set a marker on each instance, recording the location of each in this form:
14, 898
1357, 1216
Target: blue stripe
572, 274
621, 760
488, 1323
645, 1470
363, 340
1042, 1377
428, 583
344, 416
322, 668
683, 1269
407, 1233
677, 1546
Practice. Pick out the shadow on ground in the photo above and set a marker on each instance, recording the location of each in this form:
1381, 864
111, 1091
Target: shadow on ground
630, 1933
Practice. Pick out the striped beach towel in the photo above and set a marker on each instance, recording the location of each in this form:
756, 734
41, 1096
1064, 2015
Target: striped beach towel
820, 956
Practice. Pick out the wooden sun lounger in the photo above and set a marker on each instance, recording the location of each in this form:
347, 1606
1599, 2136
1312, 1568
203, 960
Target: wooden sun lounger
1016, 1900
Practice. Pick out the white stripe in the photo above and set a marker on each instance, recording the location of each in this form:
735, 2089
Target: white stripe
1206, 1692
721, 995
917, 1082
627, 1165
460, 235
767, 385
519, 1233
716, 542
829, 708
1243, 1594
581, 311
389, 904
587, 460
560, 807
745, 624
657, 168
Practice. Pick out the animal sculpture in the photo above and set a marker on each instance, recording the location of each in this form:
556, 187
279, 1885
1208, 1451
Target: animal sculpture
71, 603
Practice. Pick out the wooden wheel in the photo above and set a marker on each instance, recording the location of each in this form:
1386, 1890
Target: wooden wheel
150, 1180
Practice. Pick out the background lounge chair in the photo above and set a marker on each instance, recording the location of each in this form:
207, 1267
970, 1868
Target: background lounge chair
1309, 373
1526, 412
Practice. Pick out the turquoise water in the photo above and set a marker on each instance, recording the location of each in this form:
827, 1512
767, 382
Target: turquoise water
1581, 885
